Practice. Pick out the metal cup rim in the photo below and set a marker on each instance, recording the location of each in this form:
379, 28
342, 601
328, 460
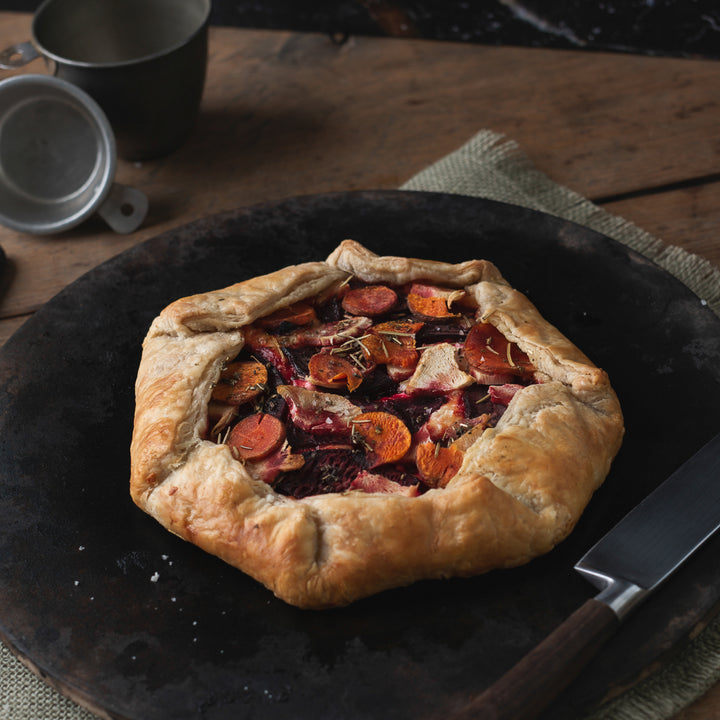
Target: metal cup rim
50, 55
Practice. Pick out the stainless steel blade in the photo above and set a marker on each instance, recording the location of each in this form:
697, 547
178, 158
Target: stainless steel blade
658, 535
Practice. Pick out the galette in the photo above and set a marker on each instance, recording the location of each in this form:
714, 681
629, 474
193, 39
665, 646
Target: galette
335, 429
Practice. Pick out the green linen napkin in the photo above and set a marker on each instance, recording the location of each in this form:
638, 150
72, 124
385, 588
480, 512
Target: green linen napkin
493, 167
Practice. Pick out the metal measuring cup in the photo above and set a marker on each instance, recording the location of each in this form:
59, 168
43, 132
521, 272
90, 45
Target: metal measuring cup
58, 160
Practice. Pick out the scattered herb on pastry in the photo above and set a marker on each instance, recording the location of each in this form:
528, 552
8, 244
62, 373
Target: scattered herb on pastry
338, 428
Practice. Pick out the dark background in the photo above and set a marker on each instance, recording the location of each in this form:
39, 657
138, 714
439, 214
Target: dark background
680, 28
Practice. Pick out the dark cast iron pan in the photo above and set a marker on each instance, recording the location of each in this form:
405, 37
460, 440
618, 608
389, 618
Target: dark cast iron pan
79, 596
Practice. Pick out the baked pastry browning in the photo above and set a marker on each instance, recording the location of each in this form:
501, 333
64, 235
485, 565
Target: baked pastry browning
489, 461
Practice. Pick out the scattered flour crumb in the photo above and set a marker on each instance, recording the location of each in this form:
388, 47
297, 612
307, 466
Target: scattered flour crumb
155, 577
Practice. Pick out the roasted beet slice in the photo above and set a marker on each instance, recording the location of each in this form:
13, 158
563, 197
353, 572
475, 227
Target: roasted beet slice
324, 471
477, 400
330, 311
299, 359
276, 406
376, 384
412, 410
403, 474
452, 331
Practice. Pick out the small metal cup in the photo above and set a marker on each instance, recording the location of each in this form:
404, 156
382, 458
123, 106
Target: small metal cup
58, 160
143, 61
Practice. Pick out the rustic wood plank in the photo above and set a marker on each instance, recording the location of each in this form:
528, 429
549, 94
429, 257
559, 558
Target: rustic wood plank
318, 111
38, 268
688, 218
372, 113
266, 133
286, 113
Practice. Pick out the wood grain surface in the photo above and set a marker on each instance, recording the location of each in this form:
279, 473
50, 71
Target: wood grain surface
287, 114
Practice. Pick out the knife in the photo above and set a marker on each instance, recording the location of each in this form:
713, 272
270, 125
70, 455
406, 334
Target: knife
626, 565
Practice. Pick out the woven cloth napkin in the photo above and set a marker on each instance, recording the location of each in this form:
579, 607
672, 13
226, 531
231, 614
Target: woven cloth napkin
493, 167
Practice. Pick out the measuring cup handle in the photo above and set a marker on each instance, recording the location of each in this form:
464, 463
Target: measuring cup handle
124, 208
18, 55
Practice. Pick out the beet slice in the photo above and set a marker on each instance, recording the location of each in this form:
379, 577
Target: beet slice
325, 471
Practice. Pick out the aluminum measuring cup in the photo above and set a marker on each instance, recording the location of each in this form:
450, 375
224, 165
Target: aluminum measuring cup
143, 61
58, 160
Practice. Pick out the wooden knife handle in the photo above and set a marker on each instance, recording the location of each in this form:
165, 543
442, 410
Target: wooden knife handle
531, 685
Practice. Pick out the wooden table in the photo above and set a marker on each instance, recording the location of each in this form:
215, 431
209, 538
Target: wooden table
290, 113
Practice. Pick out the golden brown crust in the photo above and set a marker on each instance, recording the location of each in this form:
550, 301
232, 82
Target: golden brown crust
521, 488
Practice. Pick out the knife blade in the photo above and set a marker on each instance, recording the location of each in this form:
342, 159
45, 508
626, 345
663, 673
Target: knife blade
631, 561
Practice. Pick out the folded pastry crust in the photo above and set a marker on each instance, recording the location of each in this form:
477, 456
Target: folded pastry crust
521, 489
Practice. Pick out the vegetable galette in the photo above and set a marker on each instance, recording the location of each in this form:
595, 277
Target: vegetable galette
337, 428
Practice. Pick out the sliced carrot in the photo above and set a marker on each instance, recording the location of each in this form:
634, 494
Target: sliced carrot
384, 437
436, 464
256, 436
429, 307
298, 313
401, 328
334, 371
370, 301
453, 296
392, 343
241, 382
468, 438
489, 351
390, 351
